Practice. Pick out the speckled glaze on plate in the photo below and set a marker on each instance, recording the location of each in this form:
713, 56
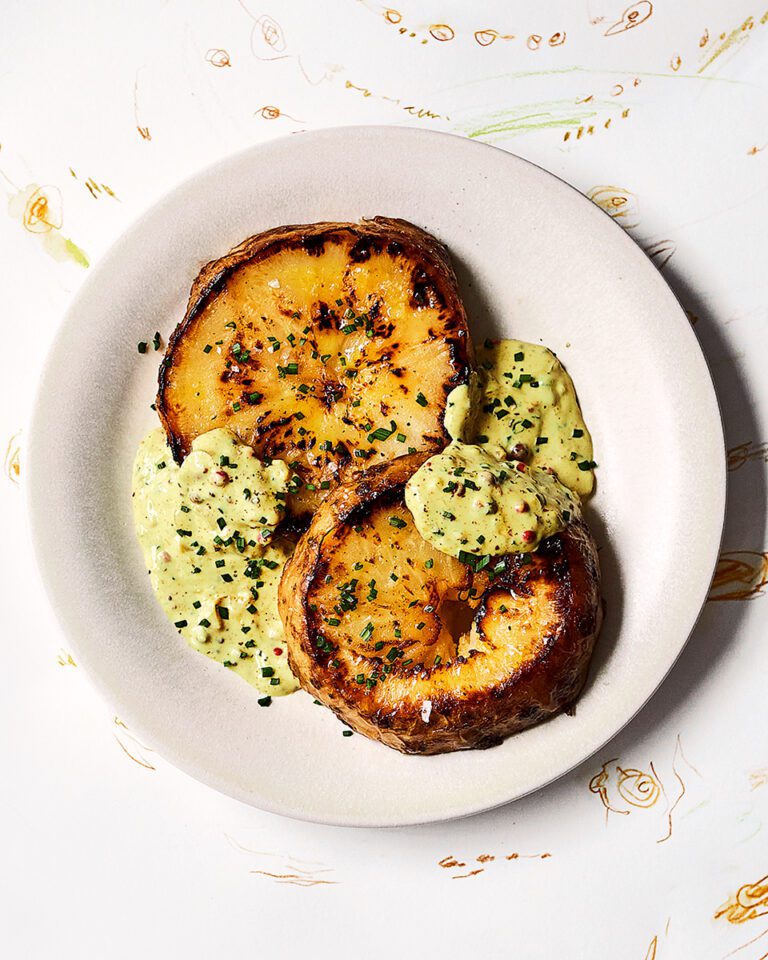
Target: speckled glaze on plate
535, 261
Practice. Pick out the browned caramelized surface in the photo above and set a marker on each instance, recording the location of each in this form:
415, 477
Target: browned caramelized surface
331, 346
413, 647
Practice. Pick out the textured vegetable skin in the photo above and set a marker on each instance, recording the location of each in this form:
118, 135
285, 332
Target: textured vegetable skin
324, 386
525, 658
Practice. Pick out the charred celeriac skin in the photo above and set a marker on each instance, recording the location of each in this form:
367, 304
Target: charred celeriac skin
332, 346
413, 647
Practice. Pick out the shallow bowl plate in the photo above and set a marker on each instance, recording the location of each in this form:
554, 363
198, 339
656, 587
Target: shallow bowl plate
536, 261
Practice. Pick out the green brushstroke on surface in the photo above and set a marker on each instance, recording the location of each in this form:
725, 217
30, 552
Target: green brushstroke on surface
75, 253
526, 118
588, 72
734, 40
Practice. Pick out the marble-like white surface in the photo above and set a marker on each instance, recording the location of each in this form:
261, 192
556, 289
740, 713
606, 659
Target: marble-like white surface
105, 856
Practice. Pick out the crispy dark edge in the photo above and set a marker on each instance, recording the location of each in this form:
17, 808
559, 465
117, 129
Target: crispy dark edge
569, 558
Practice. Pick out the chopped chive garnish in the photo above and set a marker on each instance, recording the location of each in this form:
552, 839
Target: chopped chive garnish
207, 348
397, 522
421, 399
577, 433
142, 347
519, 356
223, 612
180, 623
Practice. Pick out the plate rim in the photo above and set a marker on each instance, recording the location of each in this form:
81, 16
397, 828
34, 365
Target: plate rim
34, 449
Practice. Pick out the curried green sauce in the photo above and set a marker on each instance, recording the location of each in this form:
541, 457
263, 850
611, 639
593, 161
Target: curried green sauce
207, 531
522, 395
465, 500
520, 460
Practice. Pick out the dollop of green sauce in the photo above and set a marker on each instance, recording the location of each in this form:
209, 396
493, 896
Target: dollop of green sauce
520, 460
522, 394
207, 532
465, 500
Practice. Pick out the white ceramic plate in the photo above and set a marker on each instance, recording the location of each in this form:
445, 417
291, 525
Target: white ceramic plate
536, 261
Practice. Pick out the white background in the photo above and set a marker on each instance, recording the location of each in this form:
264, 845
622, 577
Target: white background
108, 856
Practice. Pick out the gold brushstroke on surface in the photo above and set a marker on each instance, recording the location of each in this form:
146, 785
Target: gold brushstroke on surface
142, 130
617, 202
637, 788
748, 903
39, 209
732, 40
137, 749
758, 778
483, 36
650, 953
268, 42
488, 36
752, 940
678, 752
442, 32
65, 659
12, 459
451, 862
622, 789
301, 873
598, 785
96, 189
745, 452
269, 112
739, 575
415, 111
753, 151
294, 879
632, 17
271, 33
218, 57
